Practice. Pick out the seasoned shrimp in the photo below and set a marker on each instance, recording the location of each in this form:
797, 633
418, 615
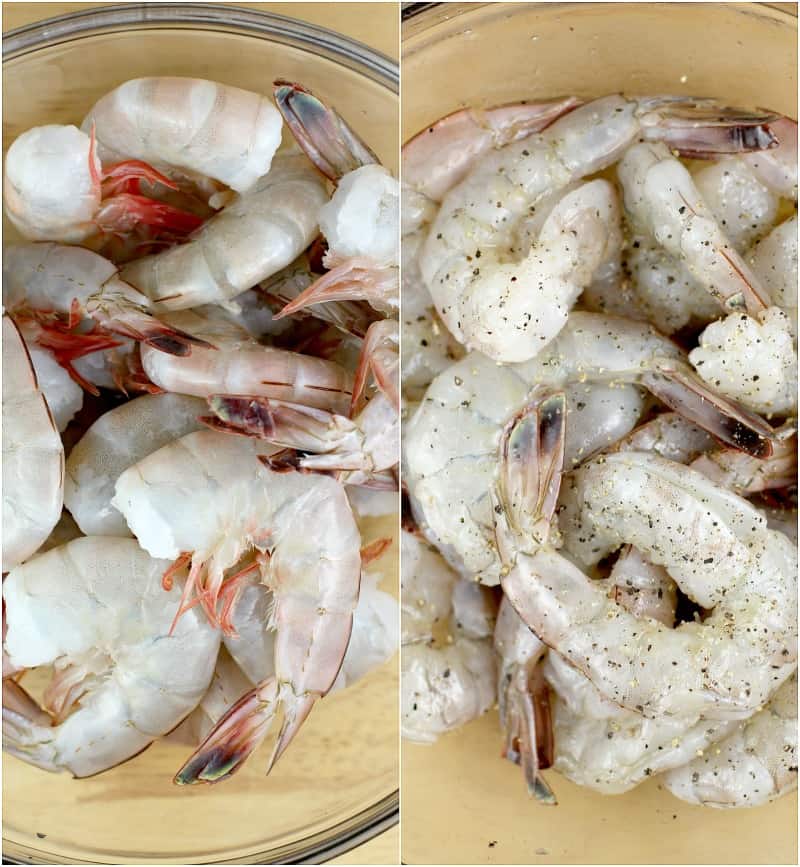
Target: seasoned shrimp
662, 199
118, 439
524, 700
33, 456
204, 127
440, 156
205, 497
239, 365
40, 280
717, 548
95, 609
55, 189
480, 283
774, 260
753, 766
777, 167
361, 222
254, 236
448, 477
442, 687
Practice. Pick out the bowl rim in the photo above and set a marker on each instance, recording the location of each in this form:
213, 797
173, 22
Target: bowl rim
207, 16
355, 55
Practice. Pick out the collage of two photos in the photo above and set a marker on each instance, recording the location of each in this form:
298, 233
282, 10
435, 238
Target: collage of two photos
399, 433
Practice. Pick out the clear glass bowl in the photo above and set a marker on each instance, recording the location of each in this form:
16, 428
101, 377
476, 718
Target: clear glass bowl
337, 786
462, 804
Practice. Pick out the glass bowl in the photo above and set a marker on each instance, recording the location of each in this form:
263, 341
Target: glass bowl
463, 804
337, 786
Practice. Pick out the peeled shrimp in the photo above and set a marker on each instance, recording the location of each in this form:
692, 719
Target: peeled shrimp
239, 365
774, 260
451, 441
206, 497
480, 283
715, 546
254, 236
95, 609
777, 167
118, 439
211, 129
753, 766
442, 687
33, 457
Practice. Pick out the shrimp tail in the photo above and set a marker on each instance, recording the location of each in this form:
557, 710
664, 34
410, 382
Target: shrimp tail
531, 461
680, 389
126, 177
702, 128
237, 734
333, 147
295, 714
379, 355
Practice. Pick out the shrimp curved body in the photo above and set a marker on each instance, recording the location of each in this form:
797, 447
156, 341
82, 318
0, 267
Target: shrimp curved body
719, 551
212, 129
96, 610
448, 477
443, 685
469, 253
33, 456
774, 260
254, 236
239, 365
63, 395
118, 439
208, 494
753, 766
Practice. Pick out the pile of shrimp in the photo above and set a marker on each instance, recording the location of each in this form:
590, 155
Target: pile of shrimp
200, 420
599, 386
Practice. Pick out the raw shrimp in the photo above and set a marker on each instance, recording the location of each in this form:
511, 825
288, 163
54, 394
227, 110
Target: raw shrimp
524, 701
717, 549
451, 441
753, 766
117, 440
774, 260
443, 684
96, 610
63, 395
43, 280
777, 167
478, 280
239, 365
254, 236
440, 156
204, 127
361, 222
662, 200
205, 497
33, 456
55, 189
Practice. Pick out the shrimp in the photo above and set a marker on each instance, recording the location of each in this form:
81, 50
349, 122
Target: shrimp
448, 477
63, 395
205, 497
95, 609
361, 221
118, 439
33, 456
774, 260
480, 283
718, 551
210, 129
440, 156
256, 235
662, 199
777, 167
753, 766
524, 701
55, 189
239, 365
446, 679
52, 282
